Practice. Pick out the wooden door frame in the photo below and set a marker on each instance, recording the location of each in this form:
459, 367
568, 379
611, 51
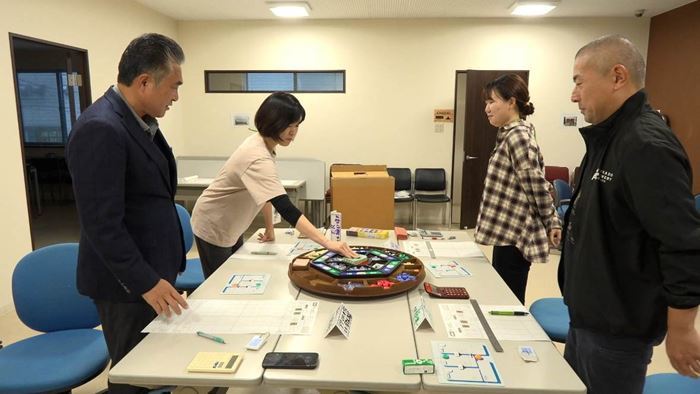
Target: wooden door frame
465, 122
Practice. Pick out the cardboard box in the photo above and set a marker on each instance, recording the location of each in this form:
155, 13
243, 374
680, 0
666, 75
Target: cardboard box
364, 194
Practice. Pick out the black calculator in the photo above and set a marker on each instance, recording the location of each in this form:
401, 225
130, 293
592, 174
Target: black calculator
446, 292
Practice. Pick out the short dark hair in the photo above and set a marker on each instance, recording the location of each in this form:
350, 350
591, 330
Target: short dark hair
276, 113
511, 86
151, 53
607, 51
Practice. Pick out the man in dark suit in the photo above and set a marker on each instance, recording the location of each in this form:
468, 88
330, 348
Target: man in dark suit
124, 179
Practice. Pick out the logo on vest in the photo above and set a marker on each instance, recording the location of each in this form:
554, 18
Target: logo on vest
602, 176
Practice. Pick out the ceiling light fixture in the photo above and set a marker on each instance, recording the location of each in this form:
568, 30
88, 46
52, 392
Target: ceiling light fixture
532, 8
289, 9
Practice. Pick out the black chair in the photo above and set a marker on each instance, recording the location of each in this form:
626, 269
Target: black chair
431, 187
402, 183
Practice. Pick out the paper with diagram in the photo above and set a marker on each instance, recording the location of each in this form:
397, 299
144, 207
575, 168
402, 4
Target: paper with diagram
464, 363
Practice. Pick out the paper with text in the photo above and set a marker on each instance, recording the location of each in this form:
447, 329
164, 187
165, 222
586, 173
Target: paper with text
240, 317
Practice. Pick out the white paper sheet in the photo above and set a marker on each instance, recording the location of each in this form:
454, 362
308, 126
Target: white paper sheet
461, 322
271, 250
446, 269
465, 363
441, 249
240, 283
303, 246
240, 317
455, 249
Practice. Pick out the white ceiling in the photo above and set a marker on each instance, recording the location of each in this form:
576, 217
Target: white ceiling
369, 9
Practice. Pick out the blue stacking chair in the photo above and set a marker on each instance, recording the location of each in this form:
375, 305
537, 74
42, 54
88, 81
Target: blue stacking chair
193, 275
70, 352
562, 197
666, 383
553, 315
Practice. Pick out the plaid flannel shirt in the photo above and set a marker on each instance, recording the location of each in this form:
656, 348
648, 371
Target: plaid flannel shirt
517, 206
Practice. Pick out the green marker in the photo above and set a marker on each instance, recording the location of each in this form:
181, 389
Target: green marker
264, 252
209, 336
508, 313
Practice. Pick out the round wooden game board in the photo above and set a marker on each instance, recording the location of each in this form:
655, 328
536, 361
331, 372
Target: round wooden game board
385, 272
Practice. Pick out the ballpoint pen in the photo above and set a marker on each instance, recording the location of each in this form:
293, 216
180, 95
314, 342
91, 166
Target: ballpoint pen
508, 313
209, 336
264, 252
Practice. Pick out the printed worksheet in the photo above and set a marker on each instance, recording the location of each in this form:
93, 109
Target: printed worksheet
446, 269
455, 249
461, 321
464, 363
417, 248
513, 328
303, 246
253, 250
240, 317
441, 249
246, 284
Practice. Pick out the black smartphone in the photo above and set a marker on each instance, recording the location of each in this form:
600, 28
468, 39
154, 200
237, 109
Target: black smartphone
291, 360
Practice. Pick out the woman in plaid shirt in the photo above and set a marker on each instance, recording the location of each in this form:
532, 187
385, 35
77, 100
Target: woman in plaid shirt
517, 212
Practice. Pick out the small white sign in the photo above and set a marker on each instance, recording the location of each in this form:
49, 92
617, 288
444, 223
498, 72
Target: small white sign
340, 321
421, 316
241, 119
569, 120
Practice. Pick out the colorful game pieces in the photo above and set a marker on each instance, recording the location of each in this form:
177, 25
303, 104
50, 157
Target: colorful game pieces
378, 272
350, 286
405, 276
401, 233
384, 283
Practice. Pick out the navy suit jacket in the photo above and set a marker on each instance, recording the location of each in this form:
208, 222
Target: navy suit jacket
124, 185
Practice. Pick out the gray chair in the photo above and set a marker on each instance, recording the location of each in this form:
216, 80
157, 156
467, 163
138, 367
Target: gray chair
403, 182
431, 188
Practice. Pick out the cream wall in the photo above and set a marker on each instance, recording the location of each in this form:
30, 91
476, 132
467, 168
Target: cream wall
103, 28
398, 71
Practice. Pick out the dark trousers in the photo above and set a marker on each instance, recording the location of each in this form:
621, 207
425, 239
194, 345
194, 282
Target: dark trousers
608, 364
513, 269
122, 323
213, 256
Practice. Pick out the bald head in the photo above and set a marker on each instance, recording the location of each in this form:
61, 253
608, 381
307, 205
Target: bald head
606, 52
